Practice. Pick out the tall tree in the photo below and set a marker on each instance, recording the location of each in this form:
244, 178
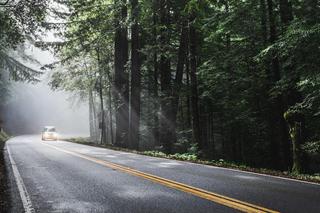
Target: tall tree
121, 89
194, 82
294, 119
182, 61
135, 77
165, 131
155, 131
279, 125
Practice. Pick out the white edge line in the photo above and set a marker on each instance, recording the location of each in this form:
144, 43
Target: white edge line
266, 175
26, 201
211, 166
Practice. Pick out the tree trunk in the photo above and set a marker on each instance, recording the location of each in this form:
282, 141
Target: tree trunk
100, 91
277, 123
95, 118
166, 134
264, 29
182, 57
295, 123
286, 15
121, 91
155, 75
92, 117
295, 134
312, 13
135, 78
103, 125
194, 83
110, 116
293, 97
272, 39
281, 103
188, 100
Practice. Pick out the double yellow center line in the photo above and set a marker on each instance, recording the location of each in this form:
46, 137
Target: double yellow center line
217, 198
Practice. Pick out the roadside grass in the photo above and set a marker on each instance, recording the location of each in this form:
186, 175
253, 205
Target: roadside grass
3, 137
193, 158
4, 191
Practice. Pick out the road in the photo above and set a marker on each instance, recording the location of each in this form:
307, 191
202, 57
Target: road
66, 177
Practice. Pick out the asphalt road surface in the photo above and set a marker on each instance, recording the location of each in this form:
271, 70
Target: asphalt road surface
58, 176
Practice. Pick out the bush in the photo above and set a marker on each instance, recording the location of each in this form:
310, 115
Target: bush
3, 137
184, 157
155, 154
312, 148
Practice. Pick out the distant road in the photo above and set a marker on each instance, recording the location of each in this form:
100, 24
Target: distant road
65, 177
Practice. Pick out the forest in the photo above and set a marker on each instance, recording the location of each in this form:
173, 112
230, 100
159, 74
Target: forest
236, 80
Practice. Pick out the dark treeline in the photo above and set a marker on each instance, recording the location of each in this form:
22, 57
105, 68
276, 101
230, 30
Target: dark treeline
230, 79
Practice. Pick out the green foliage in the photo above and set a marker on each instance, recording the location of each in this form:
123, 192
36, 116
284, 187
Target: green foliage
184, 157
17, 70
155, 154
236, 73
312, 147
177, 156
3, 137
19, 22
250, 79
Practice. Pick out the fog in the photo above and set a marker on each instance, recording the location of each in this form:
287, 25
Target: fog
31, 107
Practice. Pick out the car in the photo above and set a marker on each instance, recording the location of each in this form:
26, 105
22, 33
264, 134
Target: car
49, 133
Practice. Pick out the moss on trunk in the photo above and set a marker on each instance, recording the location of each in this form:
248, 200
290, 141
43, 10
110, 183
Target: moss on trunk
294, 121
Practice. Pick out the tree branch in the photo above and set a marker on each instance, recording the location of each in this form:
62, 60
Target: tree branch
4, 3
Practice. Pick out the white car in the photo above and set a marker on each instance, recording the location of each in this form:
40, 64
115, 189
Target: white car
49, 133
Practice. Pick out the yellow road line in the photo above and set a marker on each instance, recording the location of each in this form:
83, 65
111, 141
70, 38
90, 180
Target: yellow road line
217, 198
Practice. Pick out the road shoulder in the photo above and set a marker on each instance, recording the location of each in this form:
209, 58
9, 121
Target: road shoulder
9, 195
305, 178
4, 187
